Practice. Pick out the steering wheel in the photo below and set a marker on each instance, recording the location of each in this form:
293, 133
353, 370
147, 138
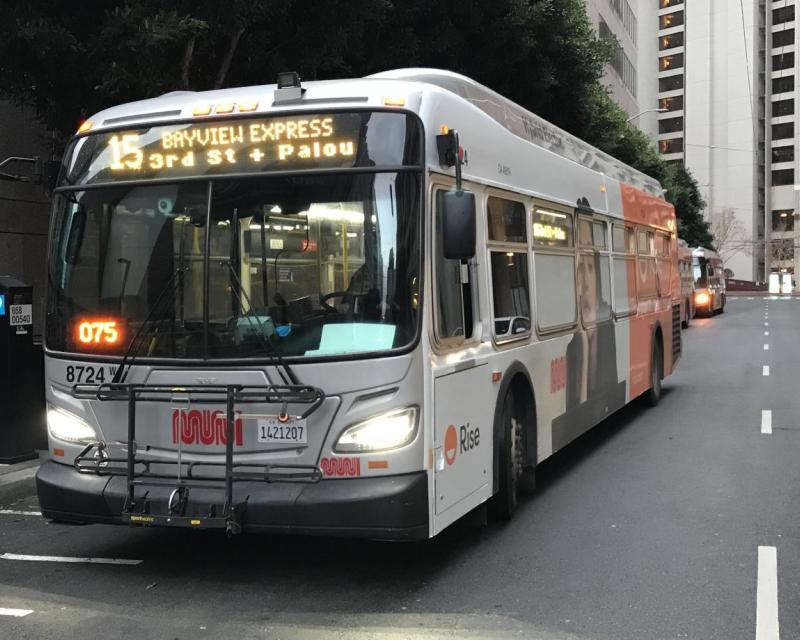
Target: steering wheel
345, 295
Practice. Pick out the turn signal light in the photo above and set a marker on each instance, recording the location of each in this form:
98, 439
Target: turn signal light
702, 298
391, 101
86, 125
201, 110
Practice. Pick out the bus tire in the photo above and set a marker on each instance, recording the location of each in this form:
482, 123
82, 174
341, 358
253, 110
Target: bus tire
511, 460
688, 319
653, 395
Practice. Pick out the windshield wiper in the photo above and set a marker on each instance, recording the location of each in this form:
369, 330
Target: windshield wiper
276, 359
131, 353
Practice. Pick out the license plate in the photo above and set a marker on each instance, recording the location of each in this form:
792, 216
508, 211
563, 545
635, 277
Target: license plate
272, 430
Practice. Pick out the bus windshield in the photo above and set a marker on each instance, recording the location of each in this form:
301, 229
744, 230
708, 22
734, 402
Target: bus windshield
303, 266
700, 269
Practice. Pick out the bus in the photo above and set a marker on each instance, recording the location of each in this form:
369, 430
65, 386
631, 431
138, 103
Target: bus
709, 281
362, 307
686, 283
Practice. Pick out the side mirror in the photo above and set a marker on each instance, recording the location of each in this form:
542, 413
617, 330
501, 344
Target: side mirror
458, 224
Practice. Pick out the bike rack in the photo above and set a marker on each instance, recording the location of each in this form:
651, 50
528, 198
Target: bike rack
137, 511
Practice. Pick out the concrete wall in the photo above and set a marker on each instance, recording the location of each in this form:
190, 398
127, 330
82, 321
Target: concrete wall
24, 207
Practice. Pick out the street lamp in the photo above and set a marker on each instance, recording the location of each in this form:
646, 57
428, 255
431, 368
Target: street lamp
632, 118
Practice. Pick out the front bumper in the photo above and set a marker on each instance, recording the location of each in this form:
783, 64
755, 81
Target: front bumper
386, 507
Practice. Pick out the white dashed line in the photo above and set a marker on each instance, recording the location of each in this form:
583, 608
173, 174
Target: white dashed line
765, 370
766, 324
766, 421
12, 512
751, 298
766, 347
766, 333
17, 556
767, 595
15, 613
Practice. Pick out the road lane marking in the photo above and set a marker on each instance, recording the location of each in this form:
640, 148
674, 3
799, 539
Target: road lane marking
12, 512
766, 324
767, 595
766, 421
766, 347
18, 556
751, 298
15, 613
766, 333
765, 370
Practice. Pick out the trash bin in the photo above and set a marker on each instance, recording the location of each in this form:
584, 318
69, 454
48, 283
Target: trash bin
21, 405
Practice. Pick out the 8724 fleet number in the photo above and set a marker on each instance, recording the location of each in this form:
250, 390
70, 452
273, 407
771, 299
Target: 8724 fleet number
86, 374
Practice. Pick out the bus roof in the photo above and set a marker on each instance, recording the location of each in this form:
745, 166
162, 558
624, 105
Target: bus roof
708, 254
433, 94
527, 125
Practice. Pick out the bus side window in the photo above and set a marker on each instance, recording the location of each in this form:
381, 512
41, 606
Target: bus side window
554, 269
594, 277
664, 252
646, 261
508, 261
624, 267
454, 317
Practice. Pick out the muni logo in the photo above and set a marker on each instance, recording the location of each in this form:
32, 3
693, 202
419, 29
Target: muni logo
460, 440
203, 427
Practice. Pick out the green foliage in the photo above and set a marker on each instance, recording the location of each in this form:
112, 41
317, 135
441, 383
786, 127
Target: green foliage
69, 59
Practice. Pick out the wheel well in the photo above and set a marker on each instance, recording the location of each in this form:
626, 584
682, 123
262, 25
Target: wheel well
517, 380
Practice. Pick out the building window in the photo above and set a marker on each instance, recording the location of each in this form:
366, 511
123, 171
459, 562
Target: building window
626, 15
667, 63
675, 103
670, 83
783, 14
674, 19
783, 220
783, 61
663, 4
783, 85
670, 41
783, 154
675, 145
782, 177
783, 131
670, 125
783, 108
783, 38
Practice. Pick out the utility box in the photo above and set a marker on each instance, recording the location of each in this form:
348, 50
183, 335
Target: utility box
21, 404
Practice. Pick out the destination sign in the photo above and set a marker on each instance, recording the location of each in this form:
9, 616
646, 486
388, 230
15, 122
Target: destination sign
229, 147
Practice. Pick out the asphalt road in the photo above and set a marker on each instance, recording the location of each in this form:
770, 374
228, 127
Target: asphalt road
647, 527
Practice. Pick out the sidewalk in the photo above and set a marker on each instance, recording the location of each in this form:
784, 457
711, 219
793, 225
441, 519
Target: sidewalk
13, 473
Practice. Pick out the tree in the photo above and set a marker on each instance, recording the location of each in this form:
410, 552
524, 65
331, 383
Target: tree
729, 235
543, 54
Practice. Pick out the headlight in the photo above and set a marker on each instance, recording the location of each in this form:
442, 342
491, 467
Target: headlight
63, 425
387, 431
702, 298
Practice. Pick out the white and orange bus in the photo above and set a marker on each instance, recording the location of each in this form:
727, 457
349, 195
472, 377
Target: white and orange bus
361, 307
709, 281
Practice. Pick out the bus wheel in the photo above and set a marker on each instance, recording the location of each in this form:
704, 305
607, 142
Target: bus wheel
688, 319
512, 461
653, 394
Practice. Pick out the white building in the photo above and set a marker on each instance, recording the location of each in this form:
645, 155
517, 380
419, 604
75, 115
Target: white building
727, 76
632, 74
